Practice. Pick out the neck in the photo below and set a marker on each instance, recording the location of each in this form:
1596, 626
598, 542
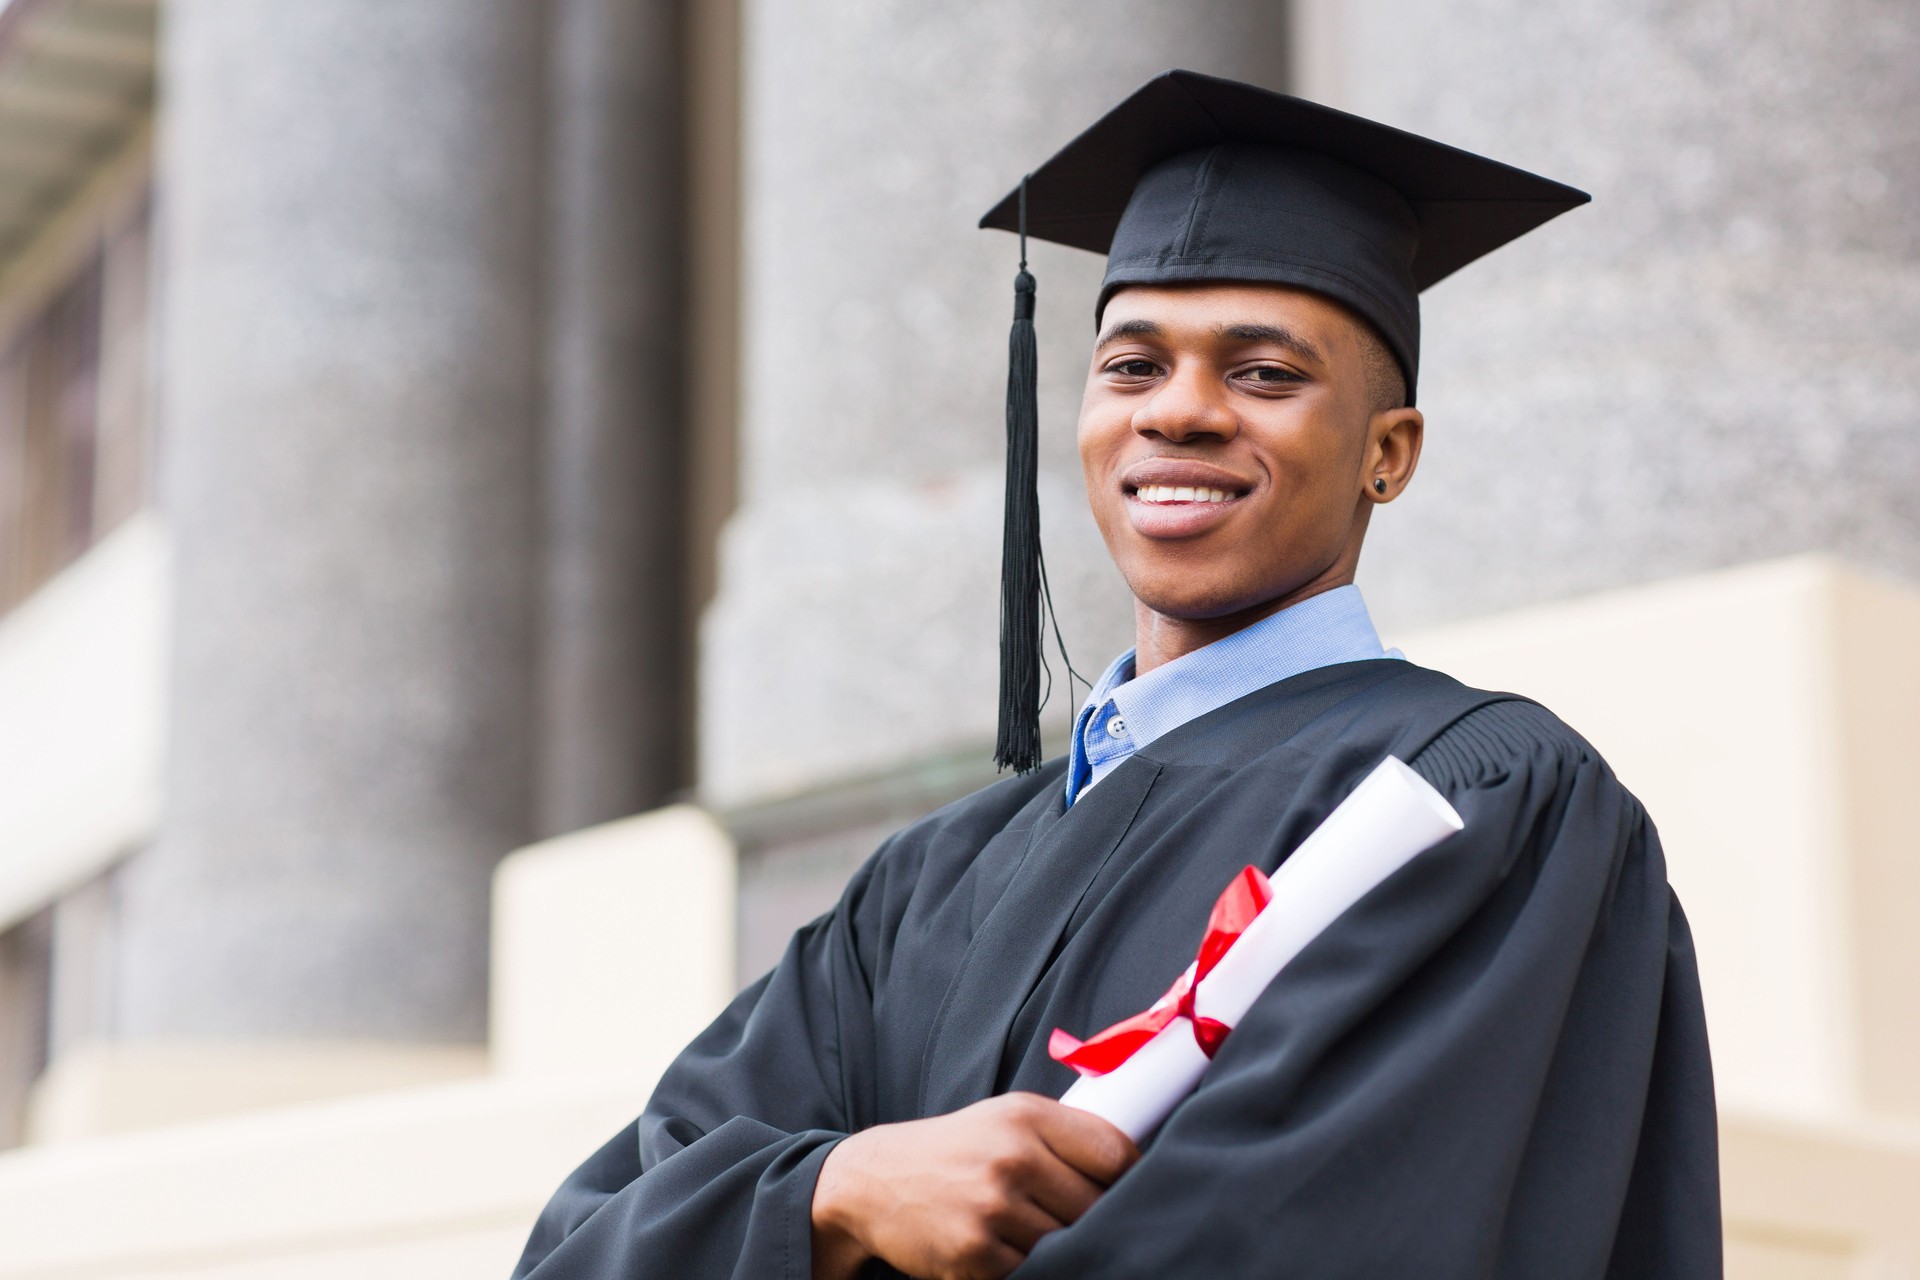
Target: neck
1159, 638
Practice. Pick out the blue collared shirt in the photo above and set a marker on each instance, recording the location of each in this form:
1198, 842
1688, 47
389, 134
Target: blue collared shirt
1125, 713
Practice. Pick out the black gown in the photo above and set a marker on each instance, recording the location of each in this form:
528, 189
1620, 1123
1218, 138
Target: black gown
1494, 1065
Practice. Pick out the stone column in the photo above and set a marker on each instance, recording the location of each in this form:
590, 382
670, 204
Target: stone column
1715, 361
614, 701
857, 619
351, 205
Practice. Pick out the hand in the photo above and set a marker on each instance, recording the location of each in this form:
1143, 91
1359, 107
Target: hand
962, 1196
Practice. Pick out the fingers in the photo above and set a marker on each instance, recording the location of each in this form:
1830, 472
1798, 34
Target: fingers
991, 1259
1004, 1237
1021, 1222
966, 1196
1085, 1141
1062, 1190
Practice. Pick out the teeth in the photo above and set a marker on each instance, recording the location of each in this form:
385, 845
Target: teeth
1182, 493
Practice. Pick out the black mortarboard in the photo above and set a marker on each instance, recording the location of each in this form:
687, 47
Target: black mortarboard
1196, 178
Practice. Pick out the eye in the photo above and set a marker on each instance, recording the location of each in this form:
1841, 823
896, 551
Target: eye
1270, 375
1133, 367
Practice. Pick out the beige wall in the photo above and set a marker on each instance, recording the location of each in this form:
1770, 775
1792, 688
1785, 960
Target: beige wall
1821, 1202
101, 1088
82, 694
438, 1182
612, 946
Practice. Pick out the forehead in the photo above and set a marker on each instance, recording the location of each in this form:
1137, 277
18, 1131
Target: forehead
1198, 311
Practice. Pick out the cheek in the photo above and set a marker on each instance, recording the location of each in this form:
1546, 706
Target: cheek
1313, 460
1312, 502
1099, 437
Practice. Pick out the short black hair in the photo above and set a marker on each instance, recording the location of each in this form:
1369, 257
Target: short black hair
1386, 381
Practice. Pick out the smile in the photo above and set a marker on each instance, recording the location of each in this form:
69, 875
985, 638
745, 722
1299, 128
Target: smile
1166, 494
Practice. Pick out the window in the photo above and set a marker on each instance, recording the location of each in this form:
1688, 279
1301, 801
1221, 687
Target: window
74, 413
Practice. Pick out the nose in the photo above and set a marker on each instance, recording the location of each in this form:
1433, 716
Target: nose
1190, 404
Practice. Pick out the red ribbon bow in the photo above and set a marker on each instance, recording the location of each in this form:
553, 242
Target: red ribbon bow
1235, 909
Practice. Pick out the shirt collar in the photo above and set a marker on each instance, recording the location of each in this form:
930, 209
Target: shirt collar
1320, 631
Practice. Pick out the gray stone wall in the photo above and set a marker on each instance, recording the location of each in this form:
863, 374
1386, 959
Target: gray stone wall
1713, 363
856, 625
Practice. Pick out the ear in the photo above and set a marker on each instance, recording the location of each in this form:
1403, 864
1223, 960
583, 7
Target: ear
1393, 451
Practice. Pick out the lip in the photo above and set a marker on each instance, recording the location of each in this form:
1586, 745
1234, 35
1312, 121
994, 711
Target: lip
1181, 519
1185, 472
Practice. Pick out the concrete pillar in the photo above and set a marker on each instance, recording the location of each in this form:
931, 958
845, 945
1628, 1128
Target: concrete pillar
1711, 364
351, 200
857, 619
614, 737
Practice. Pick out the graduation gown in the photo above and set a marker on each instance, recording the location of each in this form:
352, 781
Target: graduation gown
1494, 1065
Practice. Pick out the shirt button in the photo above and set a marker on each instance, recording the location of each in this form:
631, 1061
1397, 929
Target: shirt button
1116, 728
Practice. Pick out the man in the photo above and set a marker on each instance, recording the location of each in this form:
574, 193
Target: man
1494, 1065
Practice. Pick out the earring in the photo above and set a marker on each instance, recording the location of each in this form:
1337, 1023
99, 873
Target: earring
1379, 485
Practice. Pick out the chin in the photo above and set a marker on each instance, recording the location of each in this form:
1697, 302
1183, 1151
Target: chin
1193, 601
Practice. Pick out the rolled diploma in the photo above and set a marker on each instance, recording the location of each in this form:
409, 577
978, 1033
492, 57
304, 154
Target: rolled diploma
1391, 817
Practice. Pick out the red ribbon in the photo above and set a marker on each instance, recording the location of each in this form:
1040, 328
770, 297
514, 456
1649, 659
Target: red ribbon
1235, 909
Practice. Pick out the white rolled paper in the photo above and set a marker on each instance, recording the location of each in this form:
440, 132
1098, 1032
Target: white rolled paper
1391, 818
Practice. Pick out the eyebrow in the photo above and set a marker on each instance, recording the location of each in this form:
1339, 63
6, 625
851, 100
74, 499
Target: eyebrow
1129, 329
1278, 335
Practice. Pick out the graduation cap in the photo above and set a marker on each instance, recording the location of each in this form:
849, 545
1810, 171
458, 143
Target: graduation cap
1195, 178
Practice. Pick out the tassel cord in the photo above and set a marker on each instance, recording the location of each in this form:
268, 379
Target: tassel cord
1059, 642
1017, 742
1026, 598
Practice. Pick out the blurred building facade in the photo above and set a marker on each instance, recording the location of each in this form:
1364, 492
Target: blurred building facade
435, 430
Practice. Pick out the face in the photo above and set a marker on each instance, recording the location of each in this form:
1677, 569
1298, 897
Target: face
1230, 449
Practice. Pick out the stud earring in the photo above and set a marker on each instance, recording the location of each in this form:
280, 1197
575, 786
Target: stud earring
1379, 485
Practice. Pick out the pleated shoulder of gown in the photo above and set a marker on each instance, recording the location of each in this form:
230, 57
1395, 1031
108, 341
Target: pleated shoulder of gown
1492, 741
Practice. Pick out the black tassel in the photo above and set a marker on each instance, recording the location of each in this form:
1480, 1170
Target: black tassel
1018, 744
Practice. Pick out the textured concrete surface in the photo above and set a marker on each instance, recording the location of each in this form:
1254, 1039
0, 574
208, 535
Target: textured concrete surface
857, 620
348, 410
614, 708
797, 852
1714, 362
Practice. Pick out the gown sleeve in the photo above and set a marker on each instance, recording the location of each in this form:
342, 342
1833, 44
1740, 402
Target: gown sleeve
1494, 1065
716, 1177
